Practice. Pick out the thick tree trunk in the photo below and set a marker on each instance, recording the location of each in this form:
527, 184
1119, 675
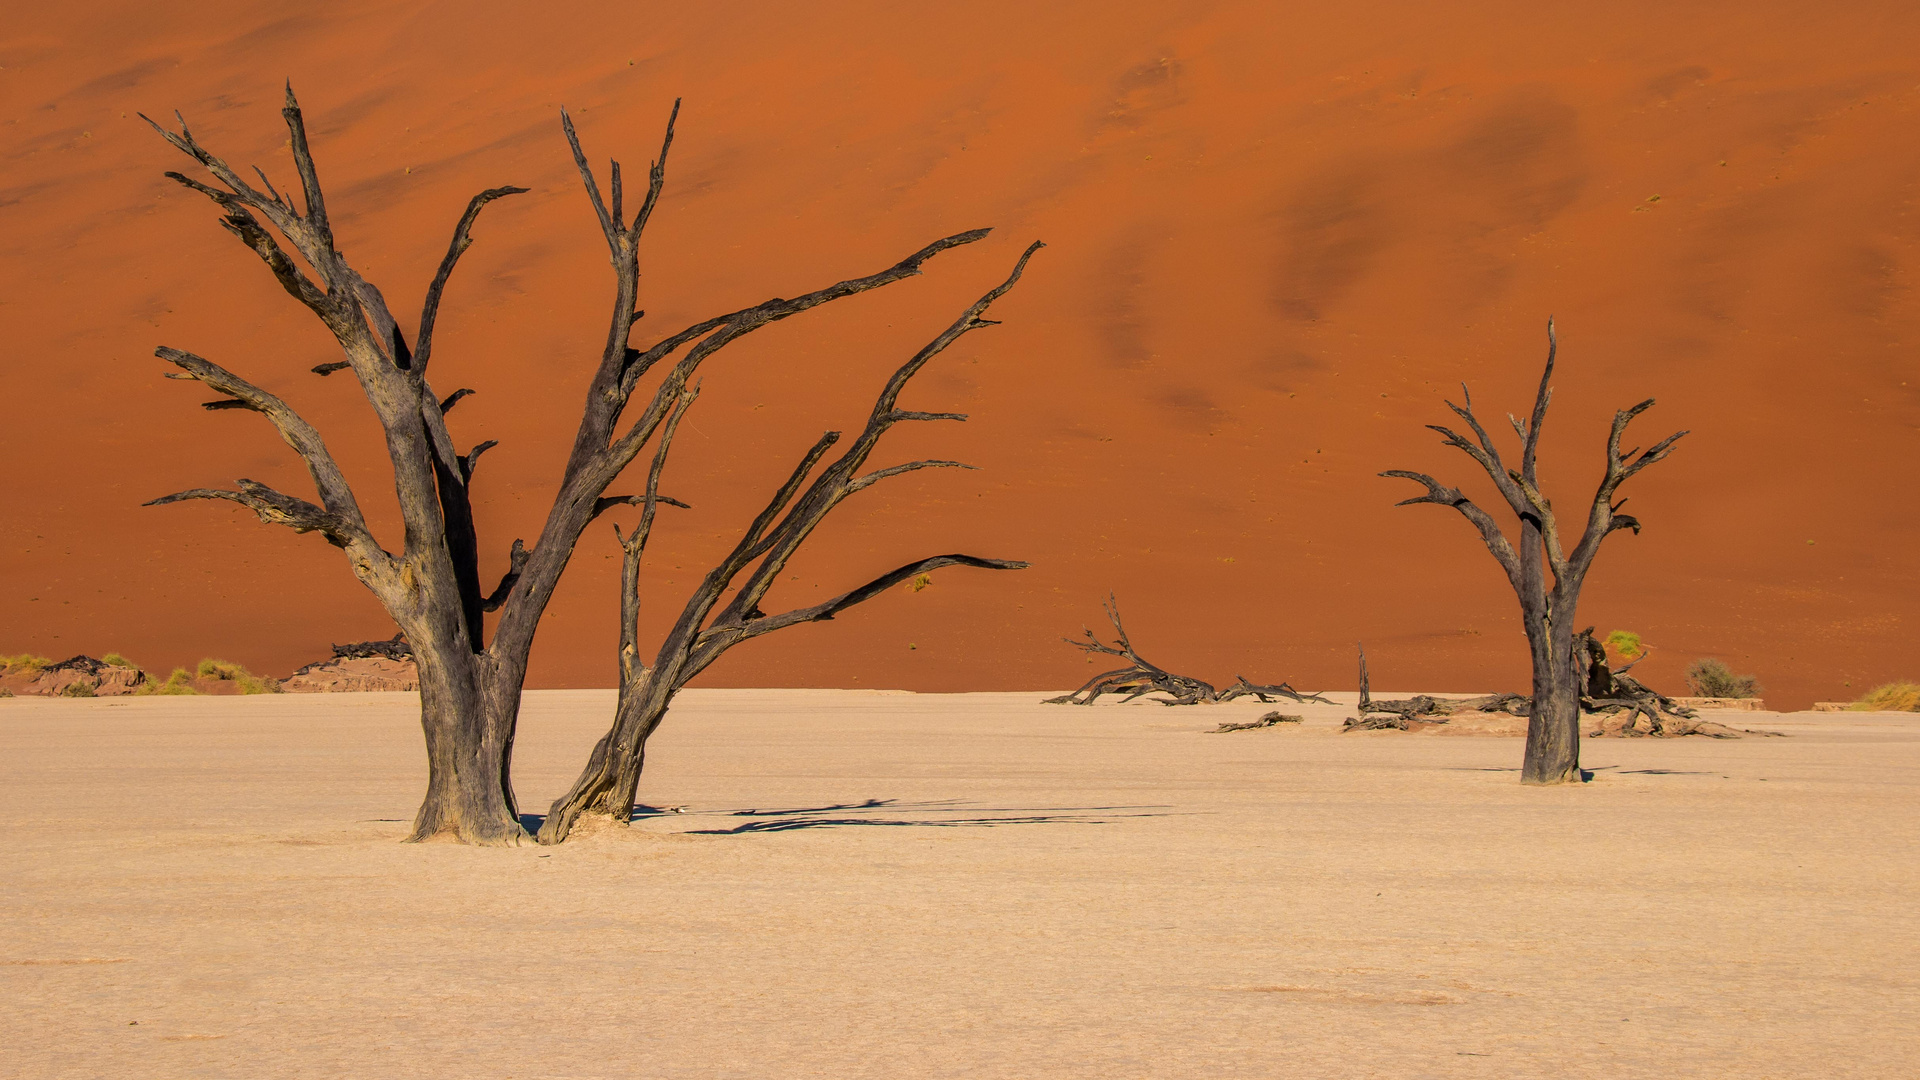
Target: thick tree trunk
1553, 725
468, 797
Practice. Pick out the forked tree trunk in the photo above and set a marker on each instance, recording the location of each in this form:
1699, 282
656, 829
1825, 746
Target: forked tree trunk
469, 687
1548, 609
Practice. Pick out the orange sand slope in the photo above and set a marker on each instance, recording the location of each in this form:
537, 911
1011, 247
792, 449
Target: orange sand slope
892, 885
1280, 234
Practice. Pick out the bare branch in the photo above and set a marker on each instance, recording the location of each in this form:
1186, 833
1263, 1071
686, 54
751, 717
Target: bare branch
274, 508
827, 610
472, 458
878, 475
1540, 400
1490, 533
316, 215
462, 240
335, 493
907, 414
725, 329
516, 561
453, 399
834, 483
608, 502
607, 225
656, 179
329, 368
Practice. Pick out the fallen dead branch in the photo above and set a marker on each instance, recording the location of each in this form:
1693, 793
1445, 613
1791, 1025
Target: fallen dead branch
1141, 676
1266, 721
1401, 715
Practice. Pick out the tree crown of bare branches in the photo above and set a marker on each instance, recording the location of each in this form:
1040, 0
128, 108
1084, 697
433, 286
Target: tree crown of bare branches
1521, 490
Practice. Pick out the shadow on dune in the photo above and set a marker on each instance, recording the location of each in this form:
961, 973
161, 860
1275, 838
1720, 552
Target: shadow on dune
935, 814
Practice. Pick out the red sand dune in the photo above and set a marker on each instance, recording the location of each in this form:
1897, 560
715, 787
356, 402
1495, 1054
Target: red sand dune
1279, 236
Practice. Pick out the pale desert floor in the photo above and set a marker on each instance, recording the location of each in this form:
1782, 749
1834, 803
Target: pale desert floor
888, 885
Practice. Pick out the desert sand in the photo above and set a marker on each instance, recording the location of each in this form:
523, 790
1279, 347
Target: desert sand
1280, 234
887, 885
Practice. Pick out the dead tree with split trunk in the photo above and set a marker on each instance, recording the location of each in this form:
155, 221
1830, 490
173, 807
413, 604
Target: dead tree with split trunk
470, 683
1547, 608
706, 629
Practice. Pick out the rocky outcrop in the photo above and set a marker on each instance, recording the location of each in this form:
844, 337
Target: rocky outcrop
1735, 704
363, 666
84, 676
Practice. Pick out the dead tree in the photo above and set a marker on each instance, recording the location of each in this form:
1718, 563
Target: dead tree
702, 634
1548, 609
470, 686
1141, 676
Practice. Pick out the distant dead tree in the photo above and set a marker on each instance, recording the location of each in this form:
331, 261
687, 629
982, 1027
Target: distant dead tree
1548, 610
470, 686
1141, 676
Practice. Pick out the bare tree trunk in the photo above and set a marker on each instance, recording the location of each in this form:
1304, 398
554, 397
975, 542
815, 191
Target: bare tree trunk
1553, 723
1548, 610
467, 715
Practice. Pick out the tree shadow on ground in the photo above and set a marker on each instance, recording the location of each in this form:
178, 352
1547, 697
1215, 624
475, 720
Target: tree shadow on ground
929, 814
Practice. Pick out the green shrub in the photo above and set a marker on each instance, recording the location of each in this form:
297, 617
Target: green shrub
1711, 678
14, 665
115, 659
77, 689
1893, 697
1625, 642
180, 682
227, 671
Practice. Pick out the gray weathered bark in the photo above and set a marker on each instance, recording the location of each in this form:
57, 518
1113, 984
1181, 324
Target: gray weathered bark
701, 634
1548, 610
469, 686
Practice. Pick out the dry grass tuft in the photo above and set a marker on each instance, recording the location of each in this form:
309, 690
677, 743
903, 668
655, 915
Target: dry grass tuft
24, 662
178, 683
1712, 678
1893, 697
228, 671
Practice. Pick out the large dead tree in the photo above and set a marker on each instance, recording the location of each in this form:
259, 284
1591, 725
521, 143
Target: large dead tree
702, 634
1547, 609
470, 685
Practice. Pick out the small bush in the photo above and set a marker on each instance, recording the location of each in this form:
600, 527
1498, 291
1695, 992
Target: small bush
227, 671
77, 689
14, 665
1711, 678
920, 581
1893, 697
180, 682
114, 659
1624, 642
4, 692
